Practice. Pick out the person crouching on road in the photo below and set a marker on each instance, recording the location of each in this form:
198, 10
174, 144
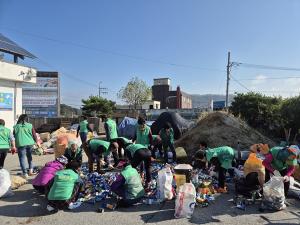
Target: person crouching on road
97, 149
284, 160
254, 170
199, 161
73, 152
128, 186
221, 158
65, 188
45, 177
122, 144
140, 155
7, 141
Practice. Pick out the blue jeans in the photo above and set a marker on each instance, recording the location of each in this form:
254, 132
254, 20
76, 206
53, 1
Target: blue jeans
83, 137
22, 153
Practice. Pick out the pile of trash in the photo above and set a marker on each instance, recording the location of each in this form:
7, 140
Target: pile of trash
221, 129
57, 141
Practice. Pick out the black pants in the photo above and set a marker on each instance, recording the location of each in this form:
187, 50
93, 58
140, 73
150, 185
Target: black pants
222, 177
64, 204
286, 184
251, 180
143, 155
172, 148
3, 153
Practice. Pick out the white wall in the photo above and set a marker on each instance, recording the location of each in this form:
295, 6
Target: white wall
9, 77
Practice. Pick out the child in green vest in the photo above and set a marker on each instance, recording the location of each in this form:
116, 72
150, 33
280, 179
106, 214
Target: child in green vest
7, 141
73, 152
83, 129
65, 188
128, 186
167, 138
284, 160
25, 138
140, 155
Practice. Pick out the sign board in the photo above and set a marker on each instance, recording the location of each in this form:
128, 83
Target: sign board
43, 83
6, 101
219, 105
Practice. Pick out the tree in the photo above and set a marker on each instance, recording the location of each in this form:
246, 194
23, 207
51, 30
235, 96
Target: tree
136, 93
96, 106
68, 111
260, 111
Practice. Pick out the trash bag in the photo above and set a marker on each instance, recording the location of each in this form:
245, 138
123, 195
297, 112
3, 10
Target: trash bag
164, 184
274, 197
5, 184
185, 201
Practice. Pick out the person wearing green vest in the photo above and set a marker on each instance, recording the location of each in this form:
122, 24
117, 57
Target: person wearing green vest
122, 144
283, 160
138, 155
65, 187
143, 134
128, 185
83, 129
221, 158
7, 141
97, 149
110, 128
167, 138
73, 152
157, 147
25, 138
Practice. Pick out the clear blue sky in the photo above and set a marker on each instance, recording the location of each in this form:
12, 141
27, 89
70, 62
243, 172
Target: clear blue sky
192, 32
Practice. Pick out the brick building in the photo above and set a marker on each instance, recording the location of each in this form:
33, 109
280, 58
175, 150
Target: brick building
162, 91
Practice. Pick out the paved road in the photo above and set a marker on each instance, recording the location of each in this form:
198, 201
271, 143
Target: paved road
27, 207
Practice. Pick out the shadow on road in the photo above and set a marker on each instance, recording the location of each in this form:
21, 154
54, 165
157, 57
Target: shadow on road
24, 204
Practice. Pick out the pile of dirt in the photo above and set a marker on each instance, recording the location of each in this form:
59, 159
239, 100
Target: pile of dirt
220, 129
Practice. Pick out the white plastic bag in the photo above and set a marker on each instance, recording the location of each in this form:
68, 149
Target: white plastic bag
5, 184
274, 197
185, 201
164, 182
294, 188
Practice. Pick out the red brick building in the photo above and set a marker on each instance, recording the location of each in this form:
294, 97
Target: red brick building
162, 91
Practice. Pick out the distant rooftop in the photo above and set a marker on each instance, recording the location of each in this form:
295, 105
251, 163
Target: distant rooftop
8, 46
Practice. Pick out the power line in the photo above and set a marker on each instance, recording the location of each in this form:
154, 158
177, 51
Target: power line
269, 78
112, 52
242, 85
265, 67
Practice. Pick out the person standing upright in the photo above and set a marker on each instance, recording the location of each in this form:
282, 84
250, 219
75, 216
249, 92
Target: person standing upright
25, 137
83, 129
7, 141
110, 128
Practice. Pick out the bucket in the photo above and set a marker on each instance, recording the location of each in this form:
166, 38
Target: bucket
183, 174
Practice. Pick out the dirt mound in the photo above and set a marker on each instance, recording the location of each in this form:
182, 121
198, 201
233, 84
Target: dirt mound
220, 129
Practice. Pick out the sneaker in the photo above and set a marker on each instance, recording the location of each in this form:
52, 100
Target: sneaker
50, 208
31, 172
25, 176
222, 190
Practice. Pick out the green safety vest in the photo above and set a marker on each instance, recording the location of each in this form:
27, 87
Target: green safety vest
133, 148
23, 135
112, 129
4, 138
224, 154
133, 183
83, 126
96, 143
279, 164
64, 182
142, 137
166, 139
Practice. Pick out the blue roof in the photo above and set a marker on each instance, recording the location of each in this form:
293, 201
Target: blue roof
8, 46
